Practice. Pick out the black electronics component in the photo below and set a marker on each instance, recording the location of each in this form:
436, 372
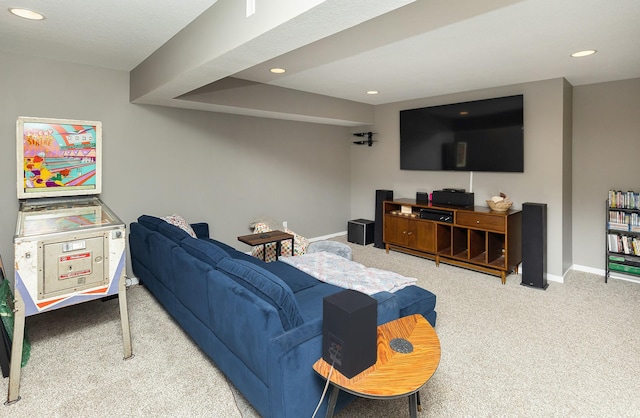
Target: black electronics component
349, 331
534, 245
437, 215
456, 198
360, 231
381, 196
422, 198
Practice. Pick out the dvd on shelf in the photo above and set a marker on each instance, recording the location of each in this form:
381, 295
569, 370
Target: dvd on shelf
624, 200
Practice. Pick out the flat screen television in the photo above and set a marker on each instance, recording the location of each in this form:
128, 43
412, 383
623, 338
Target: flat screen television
482, 135
58, 157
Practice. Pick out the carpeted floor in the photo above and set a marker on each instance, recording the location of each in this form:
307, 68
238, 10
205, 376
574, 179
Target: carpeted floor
572, 350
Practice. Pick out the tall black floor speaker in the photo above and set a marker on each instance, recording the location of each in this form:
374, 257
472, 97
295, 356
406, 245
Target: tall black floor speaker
381, 196
534, 245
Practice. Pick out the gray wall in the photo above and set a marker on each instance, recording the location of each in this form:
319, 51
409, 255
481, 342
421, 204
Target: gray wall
228, 169
223, 169
546, 163
606, 153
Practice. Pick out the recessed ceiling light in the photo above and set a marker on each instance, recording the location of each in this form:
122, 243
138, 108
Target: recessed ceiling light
464, 112
372, 92
27, 14
584, 53
278, 70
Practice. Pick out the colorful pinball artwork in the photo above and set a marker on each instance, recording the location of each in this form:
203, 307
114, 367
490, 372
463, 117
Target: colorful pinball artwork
58, 157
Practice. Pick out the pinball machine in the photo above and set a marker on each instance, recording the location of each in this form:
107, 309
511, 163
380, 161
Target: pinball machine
69, 246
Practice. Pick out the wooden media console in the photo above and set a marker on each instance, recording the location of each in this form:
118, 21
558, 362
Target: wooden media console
472, 237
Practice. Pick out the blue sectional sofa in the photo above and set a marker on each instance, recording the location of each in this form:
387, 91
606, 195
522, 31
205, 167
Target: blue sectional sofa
261, 323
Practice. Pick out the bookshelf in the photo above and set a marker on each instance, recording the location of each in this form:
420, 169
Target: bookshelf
623, 234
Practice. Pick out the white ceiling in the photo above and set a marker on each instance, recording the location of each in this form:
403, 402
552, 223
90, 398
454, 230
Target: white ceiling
116, 34
424, 49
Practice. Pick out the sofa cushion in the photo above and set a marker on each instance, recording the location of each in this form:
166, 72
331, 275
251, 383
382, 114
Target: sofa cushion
310, 300
267, 286
150, 222
414, 299
296, 279
172, 232
228, 248
204, 250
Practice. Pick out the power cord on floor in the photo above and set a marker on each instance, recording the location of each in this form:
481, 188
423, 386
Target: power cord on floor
236, 402
233, 394
324, 392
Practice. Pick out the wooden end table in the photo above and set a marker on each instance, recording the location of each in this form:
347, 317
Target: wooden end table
267, 238
394, 374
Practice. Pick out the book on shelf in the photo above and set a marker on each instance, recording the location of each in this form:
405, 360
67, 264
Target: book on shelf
618, 226
623, 244
624, 200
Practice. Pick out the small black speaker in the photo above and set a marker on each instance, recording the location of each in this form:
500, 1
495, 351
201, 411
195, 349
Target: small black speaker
422, 198
349, 331
534, 245
381, 196
360, 231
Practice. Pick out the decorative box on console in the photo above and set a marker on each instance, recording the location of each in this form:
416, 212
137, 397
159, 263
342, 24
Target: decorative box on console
360, 231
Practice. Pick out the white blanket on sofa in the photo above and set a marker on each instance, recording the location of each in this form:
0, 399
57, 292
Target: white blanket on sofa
339, 271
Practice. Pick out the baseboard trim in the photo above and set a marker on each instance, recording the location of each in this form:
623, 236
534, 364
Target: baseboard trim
612, 274
586, 269
326, 237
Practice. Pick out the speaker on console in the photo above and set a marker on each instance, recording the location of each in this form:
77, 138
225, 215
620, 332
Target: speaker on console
452, 197
422, 198
534, 245
349, 331
381, 196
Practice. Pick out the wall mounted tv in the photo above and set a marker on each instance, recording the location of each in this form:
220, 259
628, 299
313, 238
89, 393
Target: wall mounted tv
482, 135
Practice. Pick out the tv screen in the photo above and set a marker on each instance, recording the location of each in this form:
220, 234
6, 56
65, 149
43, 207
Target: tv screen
58, 157
482, 135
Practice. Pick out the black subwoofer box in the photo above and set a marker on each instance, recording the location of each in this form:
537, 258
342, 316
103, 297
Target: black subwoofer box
349, 331
360, 231
381, 196
534, 245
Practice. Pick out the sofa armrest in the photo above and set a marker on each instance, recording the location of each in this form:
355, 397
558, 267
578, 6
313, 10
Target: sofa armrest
294, 386
201, 229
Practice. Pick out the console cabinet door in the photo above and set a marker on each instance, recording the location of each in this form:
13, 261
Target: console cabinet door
396, 230
424, 236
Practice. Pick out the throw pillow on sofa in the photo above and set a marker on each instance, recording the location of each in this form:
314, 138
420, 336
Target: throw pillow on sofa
180, 222
301, 244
